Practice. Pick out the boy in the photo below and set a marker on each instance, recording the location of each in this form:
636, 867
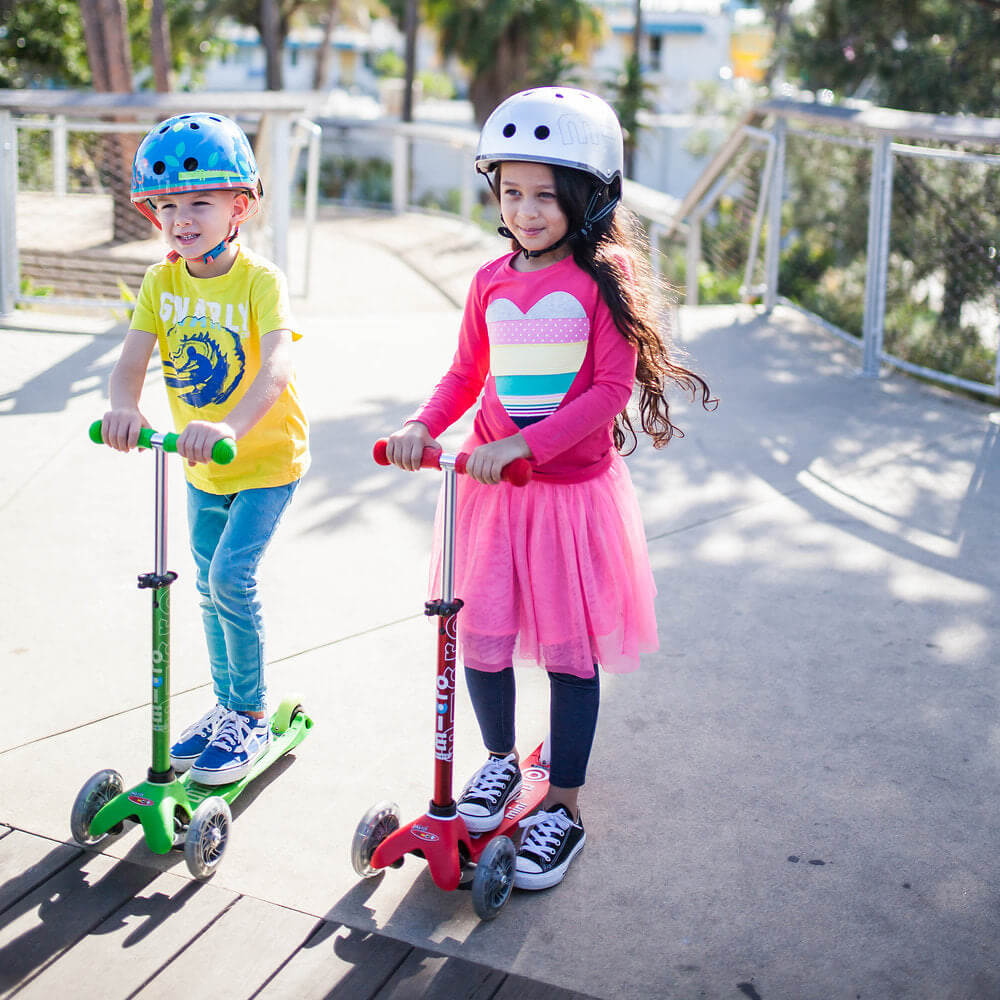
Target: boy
221, 318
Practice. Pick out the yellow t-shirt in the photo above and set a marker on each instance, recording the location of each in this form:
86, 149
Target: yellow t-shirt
209, 332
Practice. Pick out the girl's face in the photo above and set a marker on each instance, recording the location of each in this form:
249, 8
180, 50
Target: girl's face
196, 222
530, 208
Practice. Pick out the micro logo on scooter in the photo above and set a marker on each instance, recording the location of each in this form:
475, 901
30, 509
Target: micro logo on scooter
139, 800
445, 727
422, 833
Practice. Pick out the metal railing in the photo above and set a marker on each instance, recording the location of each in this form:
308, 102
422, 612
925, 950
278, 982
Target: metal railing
893, 246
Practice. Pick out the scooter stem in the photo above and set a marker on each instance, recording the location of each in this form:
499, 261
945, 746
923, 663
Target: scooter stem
446, 609
159, 582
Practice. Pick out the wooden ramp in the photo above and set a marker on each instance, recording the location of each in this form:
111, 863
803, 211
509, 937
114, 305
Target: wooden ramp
74, 923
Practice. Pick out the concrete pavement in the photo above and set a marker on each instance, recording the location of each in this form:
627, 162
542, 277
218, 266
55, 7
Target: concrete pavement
794, 798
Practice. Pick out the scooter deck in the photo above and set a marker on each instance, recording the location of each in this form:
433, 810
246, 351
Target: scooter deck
443, 841
155, 805
534, 787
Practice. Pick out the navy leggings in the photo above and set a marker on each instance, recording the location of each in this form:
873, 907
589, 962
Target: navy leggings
573, 706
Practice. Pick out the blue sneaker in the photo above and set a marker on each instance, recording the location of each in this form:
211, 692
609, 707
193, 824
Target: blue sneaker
238, 742
194, 739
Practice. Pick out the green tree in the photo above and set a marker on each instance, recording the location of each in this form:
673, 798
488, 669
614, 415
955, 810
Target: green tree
931, 56
505, 44
937, 56
42, 42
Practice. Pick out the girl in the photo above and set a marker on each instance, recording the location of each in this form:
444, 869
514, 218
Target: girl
558, 332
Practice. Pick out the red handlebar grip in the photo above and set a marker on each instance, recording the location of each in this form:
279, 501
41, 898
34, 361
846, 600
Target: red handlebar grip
431, 458
517, 473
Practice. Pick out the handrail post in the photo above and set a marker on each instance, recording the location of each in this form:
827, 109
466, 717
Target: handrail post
879, 211
280, 133
60, 159
468, 175
9, 280
693, 260
400, 172
772, 256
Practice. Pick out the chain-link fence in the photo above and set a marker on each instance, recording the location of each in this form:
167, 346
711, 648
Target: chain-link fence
715, 256
943, 276
825, 226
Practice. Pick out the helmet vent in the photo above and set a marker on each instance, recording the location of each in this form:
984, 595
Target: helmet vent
190, 163
542, 132
509, 130
159, 167
164, 129
194, 125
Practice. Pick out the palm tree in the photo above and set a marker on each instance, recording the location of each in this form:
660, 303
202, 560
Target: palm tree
503, 43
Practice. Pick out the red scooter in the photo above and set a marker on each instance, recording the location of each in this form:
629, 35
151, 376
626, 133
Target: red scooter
440, 836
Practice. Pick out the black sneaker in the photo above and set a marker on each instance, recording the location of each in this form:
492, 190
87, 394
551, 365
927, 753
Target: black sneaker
487, 793
551, 841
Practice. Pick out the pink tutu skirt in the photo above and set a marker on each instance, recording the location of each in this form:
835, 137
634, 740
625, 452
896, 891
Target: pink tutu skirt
555, 574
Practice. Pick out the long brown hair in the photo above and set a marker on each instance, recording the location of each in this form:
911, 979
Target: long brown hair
616, 254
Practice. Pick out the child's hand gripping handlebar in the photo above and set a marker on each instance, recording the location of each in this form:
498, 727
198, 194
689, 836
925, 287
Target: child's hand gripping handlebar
517, 473
223, 451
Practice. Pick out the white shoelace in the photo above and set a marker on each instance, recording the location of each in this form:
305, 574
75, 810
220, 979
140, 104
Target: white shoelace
234, 732
544, 832
489, 781
206, 725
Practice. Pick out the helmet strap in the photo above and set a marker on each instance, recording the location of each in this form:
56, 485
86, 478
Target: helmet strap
173, 256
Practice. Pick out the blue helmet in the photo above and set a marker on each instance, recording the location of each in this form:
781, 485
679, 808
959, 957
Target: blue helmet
194, 152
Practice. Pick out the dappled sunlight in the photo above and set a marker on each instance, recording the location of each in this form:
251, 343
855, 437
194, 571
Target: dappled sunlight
961, 641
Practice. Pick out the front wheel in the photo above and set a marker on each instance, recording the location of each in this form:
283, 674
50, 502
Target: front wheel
96, 793
375, 826
494, 877
207, 836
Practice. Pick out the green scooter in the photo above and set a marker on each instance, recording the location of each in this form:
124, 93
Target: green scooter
175, 812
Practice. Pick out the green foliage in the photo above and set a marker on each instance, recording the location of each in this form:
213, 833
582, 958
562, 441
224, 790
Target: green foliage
354, 179
437, 86
937, 56
389, 64
42, 42
505, 44
630, 95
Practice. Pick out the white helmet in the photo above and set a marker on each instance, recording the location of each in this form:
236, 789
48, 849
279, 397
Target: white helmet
562, 126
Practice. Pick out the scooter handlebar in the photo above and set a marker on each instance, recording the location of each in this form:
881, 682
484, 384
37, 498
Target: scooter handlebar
517, 473
223, 451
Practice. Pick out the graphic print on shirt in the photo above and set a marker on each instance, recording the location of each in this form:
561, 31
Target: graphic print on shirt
535, 355
206, 361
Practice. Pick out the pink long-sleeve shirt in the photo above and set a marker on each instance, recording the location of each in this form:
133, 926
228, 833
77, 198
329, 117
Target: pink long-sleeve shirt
525, 337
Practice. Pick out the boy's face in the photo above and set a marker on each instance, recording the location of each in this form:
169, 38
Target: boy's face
196, 222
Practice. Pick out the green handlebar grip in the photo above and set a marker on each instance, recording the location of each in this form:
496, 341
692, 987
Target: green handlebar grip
223, 451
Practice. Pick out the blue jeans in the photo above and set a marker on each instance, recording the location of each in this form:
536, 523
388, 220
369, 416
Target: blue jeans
573, 706
229, 534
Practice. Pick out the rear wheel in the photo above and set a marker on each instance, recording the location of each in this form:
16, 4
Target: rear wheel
288, 711
207, 837
494, 877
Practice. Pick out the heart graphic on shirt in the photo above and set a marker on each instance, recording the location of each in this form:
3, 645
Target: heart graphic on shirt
535, 355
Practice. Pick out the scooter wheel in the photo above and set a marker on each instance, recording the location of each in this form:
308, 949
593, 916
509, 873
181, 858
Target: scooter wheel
96, 793
375, 826
207, 837
494, 877
288, 711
